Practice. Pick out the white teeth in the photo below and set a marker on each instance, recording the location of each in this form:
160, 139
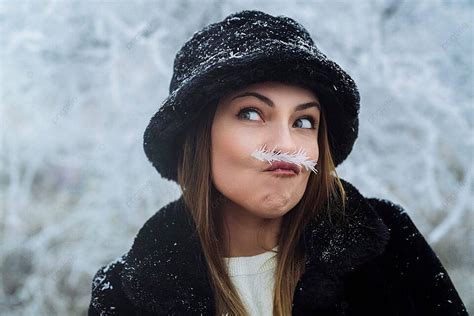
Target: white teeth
298, 158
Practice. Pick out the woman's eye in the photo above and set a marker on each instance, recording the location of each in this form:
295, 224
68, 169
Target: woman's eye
307, 125
246, 113
253, 114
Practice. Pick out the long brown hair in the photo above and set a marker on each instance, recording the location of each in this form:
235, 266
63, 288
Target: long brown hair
202, 198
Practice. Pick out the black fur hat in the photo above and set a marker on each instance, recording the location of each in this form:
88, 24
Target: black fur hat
245, 48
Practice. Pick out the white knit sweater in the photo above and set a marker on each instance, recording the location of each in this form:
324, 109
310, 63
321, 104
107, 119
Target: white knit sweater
254, 279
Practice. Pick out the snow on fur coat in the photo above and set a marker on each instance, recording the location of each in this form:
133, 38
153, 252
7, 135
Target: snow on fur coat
377, 264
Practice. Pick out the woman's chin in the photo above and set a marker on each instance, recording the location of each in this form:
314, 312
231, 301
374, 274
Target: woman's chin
277, 204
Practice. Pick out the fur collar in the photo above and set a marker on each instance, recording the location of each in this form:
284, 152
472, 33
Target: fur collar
165, 270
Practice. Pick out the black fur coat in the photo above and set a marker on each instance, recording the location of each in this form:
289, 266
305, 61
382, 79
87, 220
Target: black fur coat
376, 264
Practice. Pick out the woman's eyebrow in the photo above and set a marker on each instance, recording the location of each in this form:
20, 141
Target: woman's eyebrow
299, 107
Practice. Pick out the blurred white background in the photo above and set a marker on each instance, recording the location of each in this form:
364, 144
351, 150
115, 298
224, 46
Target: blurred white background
80, 80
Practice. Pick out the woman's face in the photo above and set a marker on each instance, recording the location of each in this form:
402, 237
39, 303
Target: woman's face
263, 114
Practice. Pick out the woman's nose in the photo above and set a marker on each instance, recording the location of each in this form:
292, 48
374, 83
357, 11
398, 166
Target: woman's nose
282, 139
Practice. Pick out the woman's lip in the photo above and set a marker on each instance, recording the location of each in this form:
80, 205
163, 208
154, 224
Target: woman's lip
283, 172
288, 167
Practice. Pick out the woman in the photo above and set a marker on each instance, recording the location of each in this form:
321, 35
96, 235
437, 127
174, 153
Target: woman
256, 122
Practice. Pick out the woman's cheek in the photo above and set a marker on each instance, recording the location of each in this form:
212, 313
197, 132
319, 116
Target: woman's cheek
236, 143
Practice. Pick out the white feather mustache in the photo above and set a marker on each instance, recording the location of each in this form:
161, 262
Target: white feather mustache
298, 157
